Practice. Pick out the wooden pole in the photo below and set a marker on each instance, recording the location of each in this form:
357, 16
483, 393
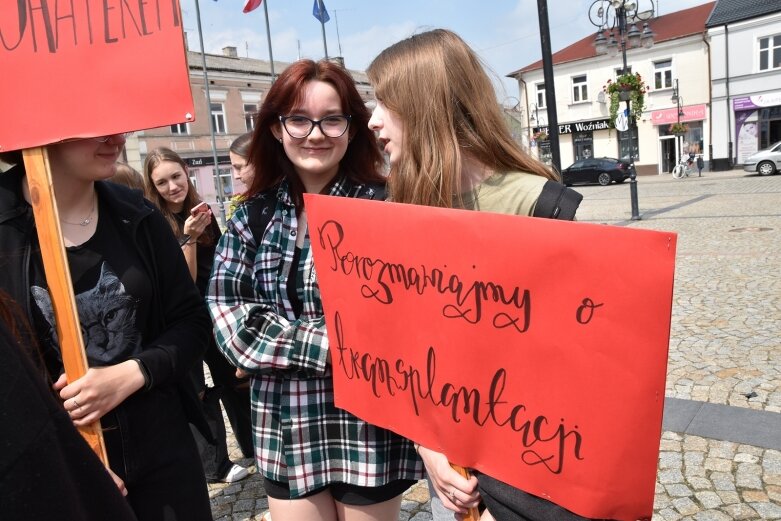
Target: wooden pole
58, 278
474, 513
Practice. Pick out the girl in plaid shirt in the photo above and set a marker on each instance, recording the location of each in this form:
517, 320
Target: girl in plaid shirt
318, 462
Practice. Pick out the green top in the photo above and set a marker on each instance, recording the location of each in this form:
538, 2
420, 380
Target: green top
511, 193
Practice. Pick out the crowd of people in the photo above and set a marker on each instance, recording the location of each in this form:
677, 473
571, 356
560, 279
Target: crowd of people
161, 290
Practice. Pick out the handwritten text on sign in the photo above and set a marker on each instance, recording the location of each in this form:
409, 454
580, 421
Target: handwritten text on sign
90, 68
515, 345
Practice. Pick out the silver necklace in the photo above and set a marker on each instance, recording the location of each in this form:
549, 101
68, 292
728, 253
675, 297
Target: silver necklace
87, 220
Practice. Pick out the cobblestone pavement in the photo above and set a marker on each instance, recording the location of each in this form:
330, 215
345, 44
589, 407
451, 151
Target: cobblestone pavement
725, 345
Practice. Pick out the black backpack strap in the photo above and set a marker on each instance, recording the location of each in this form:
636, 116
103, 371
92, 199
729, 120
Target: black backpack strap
260, 211
557, 202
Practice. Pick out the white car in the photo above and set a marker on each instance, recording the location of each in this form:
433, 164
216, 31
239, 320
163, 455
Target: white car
765, 162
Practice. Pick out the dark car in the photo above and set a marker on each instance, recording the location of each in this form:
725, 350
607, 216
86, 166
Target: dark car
602, 170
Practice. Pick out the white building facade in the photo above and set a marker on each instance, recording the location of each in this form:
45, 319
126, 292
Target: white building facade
745, 61
678, 62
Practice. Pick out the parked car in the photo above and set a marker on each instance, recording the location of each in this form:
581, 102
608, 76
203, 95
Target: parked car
602, 170
765, 162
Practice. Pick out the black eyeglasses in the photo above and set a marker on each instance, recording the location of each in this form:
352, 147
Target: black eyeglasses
300, 127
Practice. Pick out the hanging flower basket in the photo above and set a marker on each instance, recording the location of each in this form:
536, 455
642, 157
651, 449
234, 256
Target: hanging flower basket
627, 87
540, 136
679, 128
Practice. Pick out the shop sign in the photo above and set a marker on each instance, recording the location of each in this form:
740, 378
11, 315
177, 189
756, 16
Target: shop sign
579, 126
669, 116
758, 101
205, 161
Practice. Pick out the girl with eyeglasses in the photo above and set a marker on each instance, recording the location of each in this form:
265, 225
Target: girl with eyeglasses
143, 322
318, 462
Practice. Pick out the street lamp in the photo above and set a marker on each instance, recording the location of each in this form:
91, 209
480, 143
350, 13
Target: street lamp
676, 97
614, 16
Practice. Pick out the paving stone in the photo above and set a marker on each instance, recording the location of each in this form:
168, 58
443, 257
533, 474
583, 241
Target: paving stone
740, 511
685, 506
670, 476
711, 515
708, 499
679, 490
767, 510
244, 505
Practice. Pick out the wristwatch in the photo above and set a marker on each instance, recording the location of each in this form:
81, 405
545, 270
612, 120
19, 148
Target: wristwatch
184, 239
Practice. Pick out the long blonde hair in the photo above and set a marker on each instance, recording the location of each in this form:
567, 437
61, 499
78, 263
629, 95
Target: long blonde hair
439, 89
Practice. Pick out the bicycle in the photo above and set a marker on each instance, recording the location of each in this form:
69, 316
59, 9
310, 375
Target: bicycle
683, 169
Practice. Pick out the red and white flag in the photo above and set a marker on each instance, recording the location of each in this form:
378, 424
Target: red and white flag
251, 5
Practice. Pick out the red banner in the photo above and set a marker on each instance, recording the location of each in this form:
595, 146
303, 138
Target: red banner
90, 68
531, 349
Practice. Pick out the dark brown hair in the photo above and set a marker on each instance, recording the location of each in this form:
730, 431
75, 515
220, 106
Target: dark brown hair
362, 160
155, 157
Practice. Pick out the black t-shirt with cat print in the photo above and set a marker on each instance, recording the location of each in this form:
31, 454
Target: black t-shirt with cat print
112, 296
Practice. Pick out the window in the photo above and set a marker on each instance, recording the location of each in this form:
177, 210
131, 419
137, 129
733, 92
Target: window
179, 128
250, 111
663, 74
540, 95
770, 53
579, 89
619, 72
218, 118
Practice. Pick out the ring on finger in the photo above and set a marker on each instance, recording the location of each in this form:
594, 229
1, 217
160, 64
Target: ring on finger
78, 405
453, 495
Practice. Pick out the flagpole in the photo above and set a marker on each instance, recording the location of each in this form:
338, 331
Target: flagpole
220, 192
268, 36
322, 25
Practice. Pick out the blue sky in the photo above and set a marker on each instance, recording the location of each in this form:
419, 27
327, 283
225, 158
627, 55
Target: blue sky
505, 33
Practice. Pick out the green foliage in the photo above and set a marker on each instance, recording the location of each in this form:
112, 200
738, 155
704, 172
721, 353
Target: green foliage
635, 86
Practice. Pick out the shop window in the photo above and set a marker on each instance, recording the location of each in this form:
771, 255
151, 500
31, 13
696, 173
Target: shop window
583, 145
663, 74
540, 95
579, 88
770, 53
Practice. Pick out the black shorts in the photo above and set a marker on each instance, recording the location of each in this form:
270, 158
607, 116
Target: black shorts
345, 493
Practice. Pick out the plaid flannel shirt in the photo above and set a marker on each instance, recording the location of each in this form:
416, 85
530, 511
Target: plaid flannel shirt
300, 436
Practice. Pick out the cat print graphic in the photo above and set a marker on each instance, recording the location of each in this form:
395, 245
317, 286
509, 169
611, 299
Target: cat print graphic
107, 314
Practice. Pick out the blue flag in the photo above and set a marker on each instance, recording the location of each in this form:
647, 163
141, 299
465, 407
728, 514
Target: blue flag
320, 15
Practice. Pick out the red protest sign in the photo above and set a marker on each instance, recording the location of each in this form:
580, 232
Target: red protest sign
531, 349
90, 68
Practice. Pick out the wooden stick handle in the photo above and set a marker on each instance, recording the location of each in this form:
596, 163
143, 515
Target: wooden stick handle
58, 278
474, 512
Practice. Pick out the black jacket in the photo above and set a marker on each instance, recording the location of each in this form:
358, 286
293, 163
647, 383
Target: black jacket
178, 327
47, 471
